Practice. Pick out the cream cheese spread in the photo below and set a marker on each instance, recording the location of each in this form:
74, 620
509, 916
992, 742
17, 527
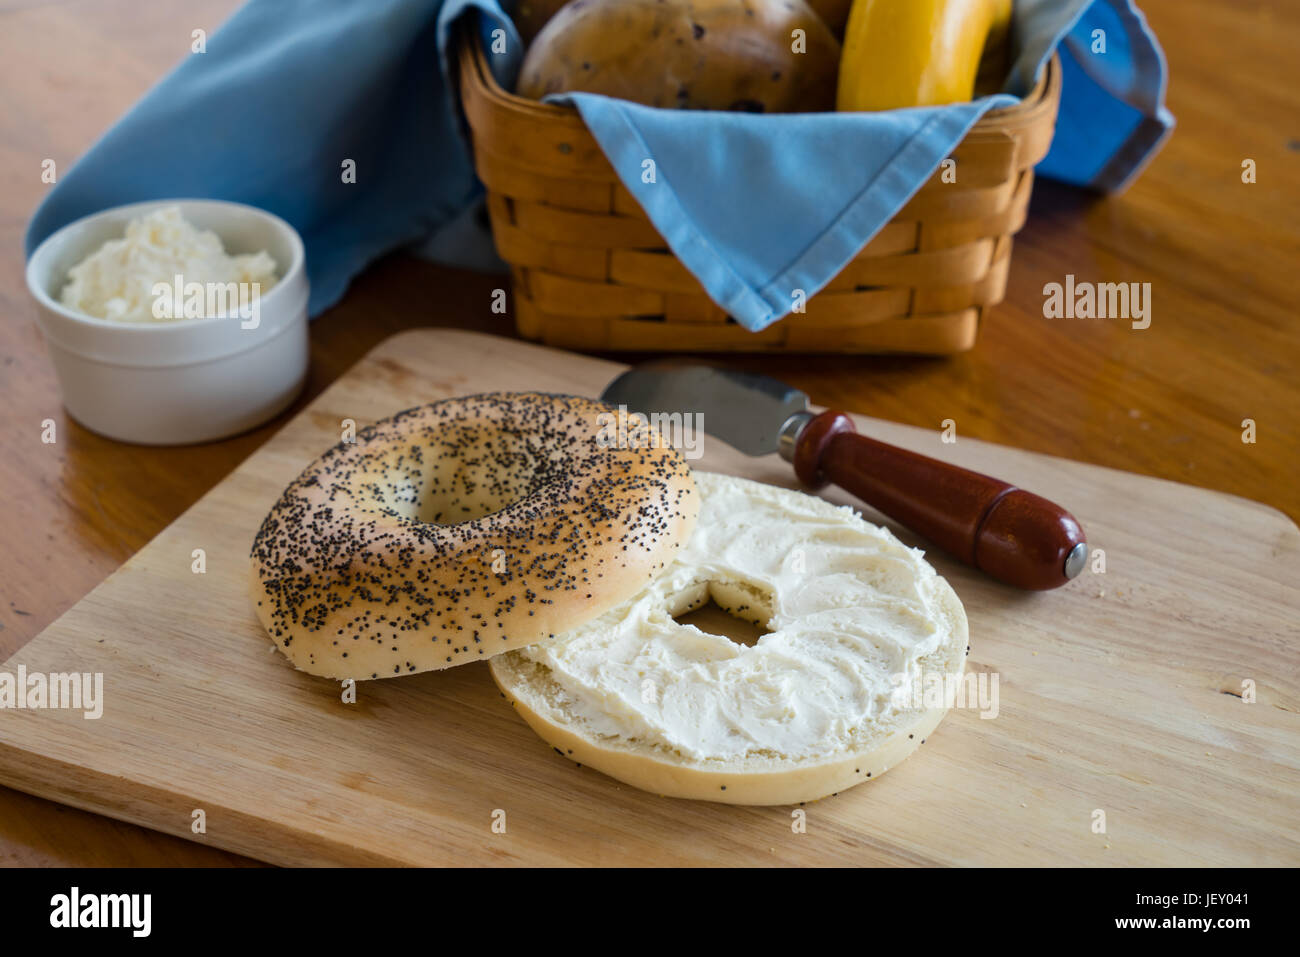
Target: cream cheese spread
118, 280
850, 612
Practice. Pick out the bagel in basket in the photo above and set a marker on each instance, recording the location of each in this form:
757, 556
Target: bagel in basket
459, 530
761, 56
812, 708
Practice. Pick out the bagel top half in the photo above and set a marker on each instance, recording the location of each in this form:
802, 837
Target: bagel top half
462, 529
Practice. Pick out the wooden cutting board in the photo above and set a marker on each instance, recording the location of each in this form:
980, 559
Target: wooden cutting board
1121, 693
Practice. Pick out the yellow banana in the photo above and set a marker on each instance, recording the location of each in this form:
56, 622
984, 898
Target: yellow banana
901, 53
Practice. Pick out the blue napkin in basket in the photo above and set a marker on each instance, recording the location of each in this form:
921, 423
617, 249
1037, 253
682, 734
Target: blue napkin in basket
287, 91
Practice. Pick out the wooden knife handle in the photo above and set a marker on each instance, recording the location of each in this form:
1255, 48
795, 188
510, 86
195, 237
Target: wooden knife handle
1010, 534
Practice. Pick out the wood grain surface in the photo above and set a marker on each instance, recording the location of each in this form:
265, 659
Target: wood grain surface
1121, 693
1167, 401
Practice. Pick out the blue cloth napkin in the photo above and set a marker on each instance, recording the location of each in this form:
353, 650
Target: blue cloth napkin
755, 206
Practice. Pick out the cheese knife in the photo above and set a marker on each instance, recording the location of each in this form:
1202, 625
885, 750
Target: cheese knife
1010, 534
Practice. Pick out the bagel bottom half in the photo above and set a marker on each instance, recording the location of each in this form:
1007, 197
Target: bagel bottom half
858, 624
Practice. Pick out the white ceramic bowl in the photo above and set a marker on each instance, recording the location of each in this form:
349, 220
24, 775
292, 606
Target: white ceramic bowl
186, 380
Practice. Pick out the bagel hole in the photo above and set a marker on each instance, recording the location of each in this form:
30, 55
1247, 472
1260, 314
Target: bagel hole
488, 473
737, 612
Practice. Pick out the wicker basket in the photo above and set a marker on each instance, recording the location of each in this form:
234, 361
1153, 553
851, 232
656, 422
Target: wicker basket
591, 272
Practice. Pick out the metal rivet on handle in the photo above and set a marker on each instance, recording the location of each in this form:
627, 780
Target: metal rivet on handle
1075, 561
789, 434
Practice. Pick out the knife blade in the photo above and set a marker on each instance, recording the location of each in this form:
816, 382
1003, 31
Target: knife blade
743, 409
1012, 535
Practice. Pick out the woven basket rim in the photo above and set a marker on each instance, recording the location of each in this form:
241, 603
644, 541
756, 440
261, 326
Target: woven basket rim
1025, 113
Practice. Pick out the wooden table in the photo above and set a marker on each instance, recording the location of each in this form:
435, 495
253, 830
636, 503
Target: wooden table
1168, 401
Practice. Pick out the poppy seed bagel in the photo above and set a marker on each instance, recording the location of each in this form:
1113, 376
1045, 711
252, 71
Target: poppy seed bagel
462, 529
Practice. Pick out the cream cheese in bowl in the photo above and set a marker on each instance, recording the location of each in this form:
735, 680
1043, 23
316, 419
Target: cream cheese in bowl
174, 322
137, 278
